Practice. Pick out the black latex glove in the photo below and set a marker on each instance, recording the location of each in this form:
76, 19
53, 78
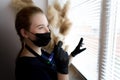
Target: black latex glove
61, 58
77, 50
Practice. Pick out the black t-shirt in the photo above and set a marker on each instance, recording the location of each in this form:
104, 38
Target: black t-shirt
32, 68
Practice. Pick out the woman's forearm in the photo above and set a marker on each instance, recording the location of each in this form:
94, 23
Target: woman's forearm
63, 76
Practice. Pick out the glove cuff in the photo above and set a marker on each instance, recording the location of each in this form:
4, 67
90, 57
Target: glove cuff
63, 70
73, 54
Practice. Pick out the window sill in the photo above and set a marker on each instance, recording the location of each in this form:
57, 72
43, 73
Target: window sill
86, 64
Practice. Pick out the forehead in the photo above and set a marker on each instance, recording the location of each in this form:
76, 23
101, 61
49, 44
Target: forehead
38, 18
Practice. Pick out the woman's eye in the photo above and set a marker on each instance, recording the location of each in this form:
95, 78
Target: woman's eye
40, 27
48, 26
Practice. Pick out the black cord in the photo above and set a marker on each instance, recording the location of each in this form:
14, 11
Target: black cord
37, 55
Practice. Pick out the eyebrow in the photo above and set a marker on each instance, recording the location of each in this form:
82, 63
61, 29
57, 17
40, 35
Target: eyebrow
41, 25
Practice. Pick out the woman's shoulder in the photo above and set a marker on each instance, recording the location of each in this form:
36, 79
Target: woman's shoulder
29, 63
25, 60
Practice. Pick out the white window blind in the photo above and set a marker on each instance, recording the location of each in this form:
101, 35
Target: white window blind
109, 65
98, 22
85, 17
117, 45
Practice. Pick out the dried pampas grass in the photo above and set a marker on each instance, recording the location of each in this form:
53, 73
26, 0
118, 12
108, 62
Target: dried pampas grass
60, 24
65, 9
65, 26
57, 17
17, 5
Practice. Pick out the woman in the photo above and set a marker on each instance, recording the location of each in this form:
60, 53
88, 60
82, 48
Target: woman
34, 63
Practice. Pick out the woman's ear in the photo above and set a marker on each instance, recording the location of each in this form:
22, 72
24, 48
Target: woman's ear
24, 33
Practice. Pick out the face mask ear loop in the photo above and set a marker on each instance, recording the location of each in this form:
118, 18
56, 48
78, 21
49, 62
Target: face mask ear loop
32, 34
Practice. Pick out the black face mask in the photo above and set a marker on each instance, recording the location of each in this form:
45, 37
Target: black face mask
42, 39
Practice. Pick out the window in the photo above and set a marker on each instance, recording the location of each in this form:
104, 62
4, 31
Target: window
109, 68
85, 17
98, 22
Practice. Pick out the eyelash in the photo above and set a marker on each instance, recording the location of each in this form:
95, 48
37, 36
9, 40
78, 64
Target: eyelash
43, 26
40, 27
48, 26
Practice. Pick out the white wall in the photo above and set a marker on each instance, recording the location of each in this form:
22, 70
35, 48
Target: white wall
9, 41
